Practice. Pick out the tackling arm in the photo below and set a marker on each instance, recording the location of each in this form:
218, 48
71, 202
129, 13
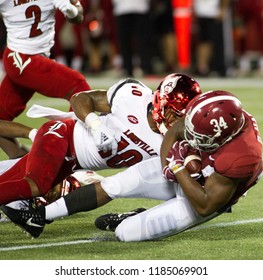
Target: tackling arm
87, 102
10, 129
84, 104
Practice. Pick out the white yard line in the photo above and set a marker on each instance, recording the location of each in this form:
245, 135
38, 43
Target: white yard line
37, 246
91, 240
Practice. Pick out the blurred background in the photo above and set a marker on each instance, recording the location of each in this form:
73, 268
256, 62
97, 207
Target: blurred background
141, 38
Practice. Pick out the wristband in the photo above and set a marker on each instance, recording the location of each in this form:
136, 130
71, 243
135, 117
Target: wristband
32, 134
72, 12
92, 121
176, 168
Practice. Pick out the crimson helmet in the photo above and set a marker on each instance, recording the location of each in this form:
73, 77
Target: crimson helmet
174, 92
212, 119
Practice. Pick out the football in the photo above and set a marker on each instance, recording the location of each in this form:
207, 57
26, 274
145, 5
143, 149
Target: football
193, 164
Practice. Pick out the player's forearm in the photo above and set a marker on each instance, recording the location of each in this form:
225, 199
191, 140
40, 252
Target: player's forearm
210, 197
82, 105
87, 102
14, 130
174, 134
196, 193
75, 15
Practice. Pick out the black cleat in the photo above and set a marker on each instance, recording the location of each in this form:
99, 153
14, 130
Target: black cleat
31, 220
110, 221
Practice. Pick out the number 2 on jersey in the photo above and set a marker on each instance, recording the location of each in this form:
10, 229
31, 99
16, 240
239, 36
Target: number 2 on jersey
34, 12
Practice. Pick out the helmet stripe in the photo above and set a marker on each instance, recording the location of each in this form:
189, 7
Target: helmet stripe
210, 100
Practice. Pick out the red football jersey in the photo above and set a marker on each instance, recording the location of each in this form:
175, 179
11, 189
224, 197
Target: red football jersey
240, 158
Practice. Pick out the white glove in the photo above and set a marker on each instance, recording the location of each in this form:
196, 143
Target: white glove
87, 177
67, 8
103, 136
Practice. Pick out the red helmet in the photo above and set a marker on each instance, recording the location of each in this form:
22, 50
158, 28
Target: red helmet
69, 184
174, 92
66, 186
212, 119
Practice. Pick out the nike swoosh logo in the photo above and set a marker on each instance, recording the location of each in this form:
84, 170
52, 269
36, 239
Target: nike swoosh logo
170, 158
29, 223
210, 157
108, 228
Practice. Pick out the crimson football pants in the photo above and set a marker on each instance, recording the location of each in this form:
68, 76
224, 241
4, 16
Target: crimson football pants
27, 74
50, 160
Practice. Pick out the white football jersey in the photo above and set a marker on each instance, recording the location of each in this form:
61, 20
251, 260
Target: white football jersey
129, 102
31, 24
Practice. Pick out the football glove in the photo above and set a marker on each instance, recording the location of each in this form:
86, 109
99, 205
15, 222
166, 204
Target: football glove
103, 136
175, 160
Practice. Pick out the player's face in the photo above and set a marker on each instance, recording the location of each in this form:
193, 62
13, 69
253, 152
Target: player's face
170, 117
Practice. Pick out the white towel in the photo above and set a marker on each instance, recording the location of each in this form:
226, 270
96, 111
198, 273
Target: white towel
37, 111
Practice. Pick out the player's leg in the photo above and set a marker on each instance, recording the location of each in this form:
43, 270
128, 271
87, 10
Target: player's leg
38, 171
13, 100
44, 75
42, 169
142, 180
57, 80
46, 164
166, 219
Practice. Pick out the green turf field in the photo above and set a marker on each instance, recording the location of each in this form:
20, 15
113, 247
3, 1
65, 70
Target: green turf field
235, 236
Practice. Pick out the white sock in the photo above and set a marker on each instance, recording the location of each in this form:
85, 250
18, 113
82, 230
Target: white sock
56, 209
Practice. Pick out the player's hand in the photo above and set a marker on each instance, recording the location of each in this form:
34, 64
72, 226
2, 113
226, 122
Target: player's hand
104, 137
175, 159
168, 174
178, 152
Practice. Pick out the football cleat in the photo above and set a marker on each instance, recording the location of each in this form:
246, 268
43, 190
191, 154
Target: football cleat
110, 221
31, 219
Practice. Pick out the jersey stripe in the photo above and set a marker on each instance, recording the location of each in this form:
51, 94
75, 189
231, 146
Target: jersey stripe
210, 100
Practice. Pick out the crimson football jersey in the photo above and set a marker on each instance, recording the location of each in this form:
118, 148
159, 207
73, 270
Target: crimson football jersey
240, 158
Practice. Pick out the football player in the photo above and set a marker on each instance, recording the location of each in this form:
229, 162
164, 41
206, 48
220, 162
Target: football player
129, 131
229, 143
30, 36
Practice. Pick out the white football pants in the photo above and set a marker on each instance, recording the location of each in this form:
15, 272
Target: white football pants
145, 180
